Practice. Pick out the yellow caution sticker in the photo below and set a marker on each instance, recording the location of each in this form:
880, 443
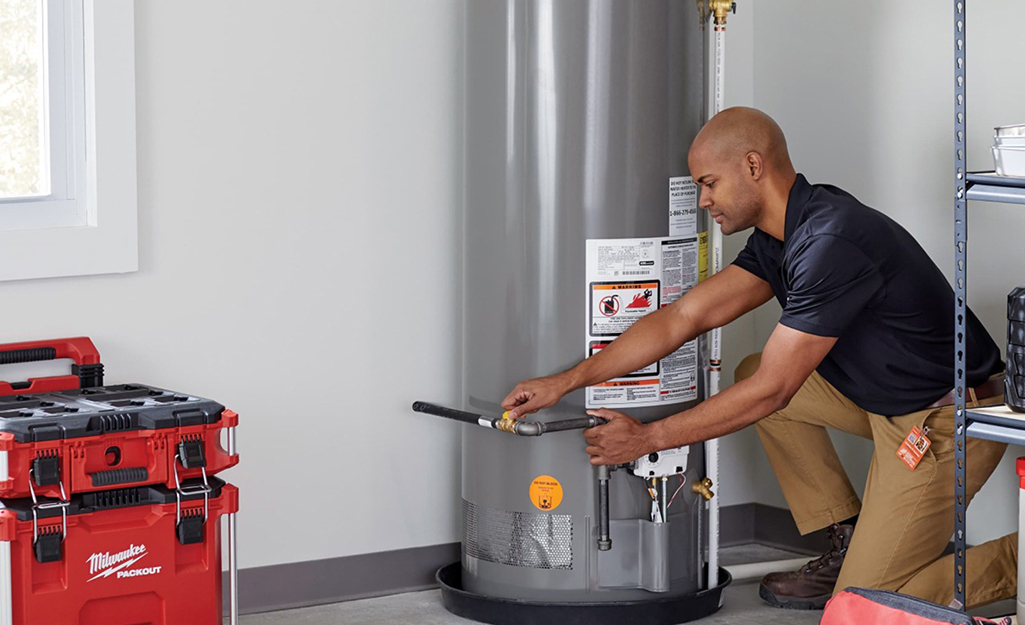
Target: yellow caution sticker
546, 492
702, 255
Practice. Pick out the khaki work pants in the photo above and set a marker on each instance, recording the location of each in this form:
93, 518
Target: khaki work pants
907, 517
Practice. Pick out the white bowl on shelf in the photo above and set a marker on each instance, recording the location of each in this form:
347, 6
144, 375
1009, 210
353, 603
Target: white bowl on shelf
1009, 161
1016, 130
1009, 141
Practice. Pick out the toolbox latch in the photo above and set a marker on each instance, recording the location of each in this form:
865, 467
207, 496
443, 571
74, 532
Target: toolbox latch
46, 470
48, 546
47, 541
189, 526
190, 529
191, 454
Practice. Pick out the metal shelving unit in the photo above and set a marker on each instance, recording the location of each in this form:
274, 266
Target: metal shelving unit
994, 423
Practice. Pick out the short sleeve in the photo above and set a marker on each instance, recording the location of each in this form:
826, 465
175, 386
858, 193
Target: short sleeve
748, 258
830, 282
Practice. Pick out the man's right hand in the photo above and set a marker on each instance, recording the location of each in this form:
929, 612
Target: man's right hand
533, 395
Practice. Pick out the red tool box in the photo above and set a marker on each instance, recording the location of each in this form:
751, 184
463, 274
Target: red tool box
135, 556
62, 443
75, 552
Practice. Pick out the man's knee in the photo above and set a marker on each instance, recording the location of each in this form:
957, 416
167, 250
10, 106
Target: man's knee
747, 367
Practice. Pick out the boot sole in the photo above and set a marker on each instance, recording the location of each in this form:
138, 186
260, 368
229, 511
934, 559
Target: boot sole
792, 603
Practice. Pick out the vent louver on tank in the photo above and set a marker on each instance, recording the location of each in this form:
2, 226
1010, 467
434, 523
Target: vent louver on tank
537, 541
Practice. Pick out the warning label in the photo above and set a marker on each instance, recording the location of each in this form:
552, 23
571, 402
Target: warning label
683, 206
616, 305
627, 279
545, 492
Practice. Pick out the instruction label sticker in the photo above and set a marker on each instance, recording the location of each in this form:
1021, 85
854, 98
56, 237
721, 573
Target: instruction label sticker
545, 492
627, 279
683, 206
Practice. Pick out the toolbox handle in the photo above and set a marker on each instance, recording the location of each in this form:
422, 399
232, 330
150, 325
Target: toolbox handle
87, 370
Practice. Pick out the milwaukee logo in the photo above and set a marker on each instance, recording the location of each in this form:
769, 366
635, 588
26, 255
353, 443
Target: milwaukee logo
103, 565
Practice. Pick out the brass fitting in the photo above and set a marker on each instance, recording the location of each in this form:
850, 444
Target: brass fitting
506, 425
704, 488
720, 9
702, 13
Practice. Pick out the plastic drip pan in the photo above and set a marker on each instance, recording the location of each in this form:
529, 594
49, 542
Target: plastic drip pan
655, 611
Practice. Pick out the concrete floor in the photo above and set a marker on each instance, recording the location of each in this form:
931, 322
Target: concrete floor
741, 605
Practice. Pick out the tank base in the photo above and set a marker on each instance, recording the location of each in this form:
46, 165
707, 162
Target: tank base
655, 611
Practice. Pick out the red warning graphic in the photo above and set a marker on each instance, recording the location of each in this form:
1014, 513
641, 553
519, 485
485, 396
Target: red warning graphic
641, 300
615, 306
609, 306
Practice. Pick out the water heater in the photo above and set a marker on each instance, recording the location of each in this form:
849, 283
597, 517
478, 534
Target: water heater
579, 218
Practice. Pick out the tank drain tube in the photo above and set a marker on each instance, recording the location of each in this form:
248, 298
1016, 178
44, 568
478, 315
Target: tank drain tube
512, 426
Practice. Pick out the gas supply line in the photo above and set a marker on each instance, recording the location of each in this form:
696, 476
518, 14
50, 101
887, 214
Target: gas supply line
537, 428
505, 424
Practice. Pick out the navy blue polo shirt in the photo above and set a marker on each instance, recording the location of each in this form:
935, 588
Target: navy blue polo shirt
848, 271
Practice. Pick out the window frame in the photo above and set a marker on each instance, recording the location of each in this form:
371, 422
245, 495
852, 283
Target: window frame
90, 224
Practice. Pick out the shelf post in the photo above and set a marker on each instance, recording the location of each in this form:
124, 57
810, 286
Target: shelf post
960, 302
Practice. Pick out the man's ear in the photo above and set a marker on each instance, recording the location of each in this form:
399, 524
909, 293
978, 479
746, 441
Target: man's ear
754, 164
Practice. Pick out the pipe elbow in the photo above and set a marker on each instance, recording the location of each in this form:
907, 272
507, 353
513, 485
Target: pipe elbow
528, 428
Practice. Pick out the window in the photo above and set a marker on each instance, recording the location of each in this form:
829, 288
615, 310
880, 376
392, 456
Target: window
67, 138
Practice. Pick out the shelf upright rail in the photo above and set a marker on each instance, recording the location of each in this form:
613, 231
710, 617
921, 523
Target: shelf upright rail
960, 302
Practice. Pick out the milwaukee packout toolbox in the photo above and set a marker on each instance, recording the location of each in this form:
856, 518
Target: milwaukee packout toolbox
85, 440
145, 555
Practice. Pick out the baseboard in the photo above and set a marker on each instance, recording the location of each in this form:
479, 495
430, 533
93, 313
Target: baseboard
318, 582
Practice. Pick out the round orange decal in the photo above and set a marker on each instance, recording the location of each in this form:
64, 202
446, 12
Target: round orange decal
546, 492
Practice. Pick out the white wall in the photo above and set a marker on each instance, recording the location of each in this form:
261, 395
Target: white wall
299, 192
864, 92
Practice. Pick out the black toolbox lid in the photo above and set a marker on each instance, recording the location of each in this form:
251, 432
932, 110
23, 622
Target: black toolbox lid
86, 503
96, 411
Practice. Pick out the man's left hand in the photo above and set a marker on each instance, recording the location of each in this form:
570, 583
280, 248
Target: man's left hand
623, 439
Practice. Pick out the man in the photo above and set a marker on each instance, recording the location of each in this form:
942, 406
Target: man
864, 345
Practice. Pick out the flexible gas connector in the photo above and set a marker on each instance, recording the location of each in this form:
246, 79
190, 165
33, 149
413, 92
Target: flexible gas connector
704, 488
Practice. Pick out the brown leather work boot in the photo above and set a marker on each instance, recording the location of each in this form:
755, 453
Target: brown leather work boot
812, 586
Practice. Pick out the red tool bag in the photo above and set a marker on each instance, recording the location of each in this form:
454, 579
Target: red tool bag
122, 557
859, 606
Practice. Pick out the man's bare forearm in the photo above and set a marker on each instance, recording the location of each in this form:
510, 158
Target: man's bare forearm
733, 409
649, 339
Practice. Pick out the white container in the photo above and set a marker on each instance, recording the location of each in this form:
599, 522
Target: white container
1009, 161
1009, 142
1017, 130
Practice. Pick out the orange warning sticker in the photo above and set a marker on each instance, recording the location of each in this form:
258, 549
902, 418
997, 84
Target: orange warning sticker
546, 492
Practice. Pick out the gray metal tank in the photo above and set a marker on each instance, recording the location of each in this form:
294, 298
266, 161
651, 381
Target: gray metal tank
577, 114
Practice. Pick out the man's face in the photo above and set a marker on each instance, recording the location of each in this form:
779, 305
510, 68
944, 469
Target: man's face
728, 192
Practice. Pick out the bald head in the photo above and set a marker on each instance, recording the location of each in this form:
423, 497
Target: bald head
740, 161
736, 132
